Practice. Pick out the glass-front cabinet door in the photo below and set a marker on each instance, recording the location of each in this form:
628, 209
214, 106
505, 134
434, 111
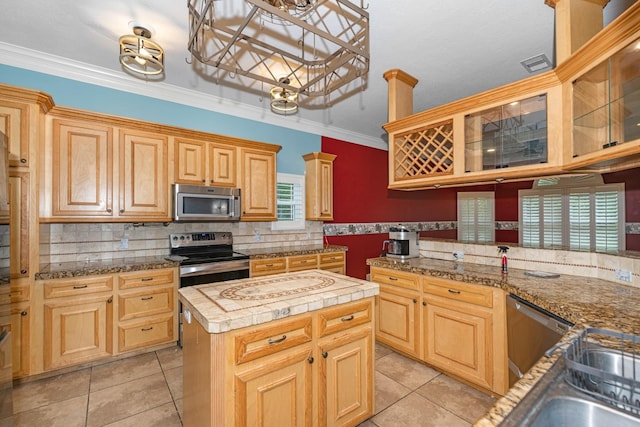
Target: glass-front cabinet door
606, 103
509, 135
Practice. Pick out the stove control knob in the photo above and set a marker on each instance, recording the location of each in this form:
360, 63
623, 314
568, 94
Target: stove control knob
181, 237
175, 237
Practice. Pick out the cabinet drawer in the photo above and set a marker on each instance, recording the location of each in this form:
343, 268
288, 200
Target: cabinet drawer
143, 333
147, 278
331, 258
145, 302
302, 262
395, 278
262, 267
79, 286
269, 339
20, 292
474, 294
332, 320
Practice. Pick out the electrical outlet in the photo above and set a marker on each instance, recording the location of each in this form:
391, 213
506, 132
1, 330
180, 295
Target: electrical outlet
459, 255
256, 236
308, 235
624, 275
124, 243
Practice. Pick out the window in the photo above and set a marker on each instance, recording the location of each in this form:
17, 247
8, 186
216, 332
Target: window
290, 202
579, 213
476, 218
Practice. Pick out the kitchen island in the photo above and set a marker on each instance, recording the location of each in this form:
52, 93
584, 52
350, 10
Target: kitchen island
292, 349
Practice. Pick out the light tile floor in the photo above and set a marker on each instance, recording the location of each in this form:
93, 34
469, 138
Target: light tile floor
146, 390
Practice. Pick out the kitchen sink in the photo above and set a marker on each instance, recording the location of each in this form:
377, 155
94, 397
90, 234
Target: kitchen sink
568, 411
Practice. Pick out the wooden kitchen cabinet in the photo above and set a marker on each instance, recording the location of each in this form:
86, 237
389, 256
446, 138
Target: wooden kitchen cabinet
21, 224
302, 262
205, 163
266, 266
312, 369
454, 326
147, 308
398, 311
319, 186
78, 320
331, 261
97, 171
258, 184
21, 338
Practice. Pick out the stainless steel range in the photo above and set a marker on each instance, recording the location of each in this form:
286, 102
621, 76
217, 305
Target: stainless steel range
206, 258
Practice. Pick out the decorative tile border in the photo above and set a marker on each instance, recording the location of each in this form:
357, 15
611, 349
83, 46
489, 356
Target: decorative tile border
333, 229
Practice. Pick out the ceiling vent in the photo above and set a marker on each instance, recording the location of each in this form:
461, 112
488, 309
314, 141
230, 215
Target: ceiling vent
537, 63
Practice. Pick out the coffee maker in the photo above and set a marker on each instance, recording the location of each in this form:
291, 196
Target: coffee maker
402, 244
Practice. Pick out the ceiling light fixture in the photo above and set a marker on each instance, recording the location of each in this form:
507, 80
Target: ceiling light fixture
283, 100
320, 46
139, 54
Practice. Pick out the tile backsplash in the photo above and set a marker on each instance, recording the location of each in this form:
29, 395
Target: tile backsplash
100, 242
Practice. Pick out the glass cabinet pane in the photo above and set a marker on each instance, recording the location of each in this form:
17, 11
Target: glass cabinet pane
513, 134
606, 103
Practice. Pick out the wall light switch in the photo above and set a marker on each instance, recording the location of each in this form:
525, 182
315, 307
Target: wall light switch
624, 275
459, 255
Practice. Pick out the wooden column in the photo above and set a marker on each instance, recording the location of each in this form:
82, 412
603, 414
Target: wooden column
401, 87
576, 22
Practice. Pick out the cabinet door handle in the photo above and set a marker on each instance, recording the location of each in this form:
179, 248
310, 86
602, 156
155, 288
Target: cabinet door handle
121, 211
424, 303
276, 341
23, 313
454, 291
23, 271
325, 354
146, 298
110, 300
23, 160
80, 287
310, 359
146, 279
109, 210
348, 318
415, 300
146, 329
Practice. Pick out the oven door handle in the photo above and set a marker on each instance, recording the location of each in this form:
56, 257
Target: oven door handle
214, 267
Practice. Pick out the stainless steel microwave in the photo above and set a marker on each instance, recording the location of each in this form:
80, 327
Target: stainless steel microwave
202, 203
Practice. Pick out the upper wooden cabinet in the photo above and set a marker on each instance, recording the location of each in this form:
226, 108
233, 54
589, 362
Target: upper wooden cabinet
21, 115
205, 163
258, 184
100, 172
581, 116
319, 186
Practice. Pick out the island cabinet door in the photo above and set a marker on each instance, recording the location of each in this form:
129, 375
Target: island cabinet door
276, 392
345, 378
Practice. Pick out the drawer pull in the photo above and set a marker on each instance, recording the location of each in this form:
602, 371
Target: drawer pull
146, 279
347, 319
80, 287
146, 329
146, 298
276, 341
454, 291
304, 261
268, 265
393, 278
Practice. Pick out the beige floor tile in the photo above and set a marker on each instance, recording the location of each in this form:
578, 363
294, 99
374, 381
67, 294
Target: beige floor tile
382, 351
174, 380
124, 370
67, 413
43, 392
416, 411
387, 392
124, 400
405, 371
170, 357
164, 415
464, 401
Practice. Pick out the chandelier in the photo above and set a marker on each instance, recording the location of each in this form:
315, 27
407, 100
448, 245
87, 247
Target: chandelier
139, 54
307, 47
284, 101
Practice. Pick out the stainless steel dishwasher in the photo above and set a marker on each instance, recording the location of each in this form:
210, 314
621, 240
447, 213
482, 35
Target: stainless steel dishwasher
531, 330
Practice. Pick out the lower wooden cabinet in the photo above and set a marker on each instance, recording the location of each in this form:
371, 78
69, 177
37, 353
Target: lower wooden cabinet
91, 317
312, 369
331, 261
21, 336
457, 327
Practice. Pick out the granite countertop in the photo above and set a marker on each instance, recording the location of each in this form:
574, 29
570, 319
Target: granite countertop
120, 265
224, 306
584, 301
298, 250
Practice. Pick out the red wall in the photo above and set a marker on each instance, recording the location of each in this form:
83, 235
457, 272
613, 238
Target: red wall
360, 195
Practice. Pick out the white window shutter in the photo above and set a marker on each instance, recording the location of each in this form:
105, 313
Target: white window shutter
289, 202
476, 217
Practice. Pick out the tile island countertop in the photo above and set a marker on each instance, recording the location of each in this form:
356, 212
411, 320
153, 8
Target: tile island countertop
224, 306
584, 301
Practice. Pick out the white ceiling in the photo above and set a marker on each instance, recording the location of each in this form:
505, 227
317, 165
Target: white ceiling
454, 48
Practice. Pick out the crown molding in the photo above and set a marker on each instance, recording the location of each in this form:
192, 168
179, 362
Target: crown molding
46, 63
